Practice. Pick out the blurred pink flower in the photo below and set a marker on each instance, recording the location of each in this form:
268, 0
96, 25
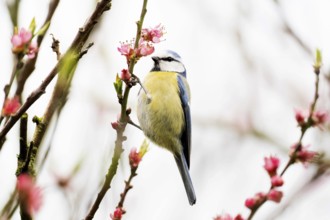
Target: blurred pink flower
134, 158
32, 50
20, 39
228, 217
300, 116
275, 195
29, 194
303, 154
117, 214
277, 181
11, 106
319, 118
255, 201
125, 75
271, 165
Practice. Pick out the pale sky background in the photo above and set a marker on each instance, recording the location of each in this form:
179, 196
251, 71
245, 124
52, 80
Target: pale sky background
247, 75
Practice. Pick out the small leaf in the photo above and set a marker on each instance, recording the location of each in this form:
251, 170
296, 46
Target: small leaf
118, 84
43, 29
144, 148
318, 59
32, 26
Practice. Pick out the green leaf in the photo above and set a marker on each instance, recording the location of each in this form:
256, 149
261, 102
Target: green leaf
43, 29
318, 59
118, 84
32, 26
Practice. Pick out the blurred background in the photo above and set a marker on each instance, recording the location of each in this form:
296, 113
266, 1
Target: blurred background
249, 65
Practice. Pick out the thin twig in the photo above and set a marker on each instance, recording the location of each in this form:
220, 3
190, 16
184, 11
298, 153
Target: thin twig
122, 125
304, 129
77, 45
30, 64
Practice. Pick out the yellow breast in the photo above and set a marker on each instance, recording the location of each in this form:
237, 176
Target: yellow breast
162, 119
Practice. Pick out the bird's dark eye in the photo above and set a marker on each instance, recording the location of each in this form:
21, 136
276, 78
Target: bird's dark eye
168, 59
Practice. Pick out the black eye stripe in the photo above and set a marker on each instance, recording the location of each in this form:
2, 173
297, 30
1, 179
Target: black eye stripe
169, 59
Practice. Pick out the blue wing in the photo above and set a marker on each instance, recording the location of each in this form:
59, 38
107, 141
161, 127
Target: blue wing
186, 133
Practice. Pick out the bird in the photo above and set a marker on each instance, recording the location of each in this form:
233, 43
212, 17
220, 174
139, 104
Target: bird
163, 112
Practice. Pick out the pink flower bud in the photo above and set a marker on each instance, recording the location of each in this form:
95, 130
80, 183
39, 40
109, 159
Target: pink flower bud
115, 125
250, 203
275, 196
255, 201
271, 165
134, 158
319, 118
303, 154
32, 50
11, 106
125, 75
277, 181
238, 217
117, 214
300, 117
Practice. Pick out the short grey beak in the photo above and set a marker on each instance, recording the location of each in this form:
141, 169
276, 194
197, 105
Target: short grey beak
155, 59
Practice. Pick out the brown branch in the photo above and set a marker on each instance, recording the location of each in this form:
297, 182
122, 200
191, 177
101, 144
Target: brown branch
288, 29
76, 45
30, 64
128, 186
124, 119
304, 127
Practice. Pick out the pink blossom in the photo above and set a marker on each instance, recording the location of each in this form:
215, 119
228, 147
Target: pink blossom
255, 201
134, 158
277, 181
32, 50
11, 106
300, 117
153, 34
117, 214
29, 194
271, 165
126, 49
20, 39
319, 118
125, 75
303, 154
146, 50
275, 195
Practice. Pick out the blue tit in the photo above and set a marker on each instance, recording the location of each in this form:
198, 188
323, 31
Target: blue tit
164, 112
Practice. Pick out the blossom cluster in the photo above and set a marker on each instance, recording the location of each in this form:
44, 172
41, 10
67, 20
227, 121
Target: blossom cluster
317, 118
149, 36
22, 43
29, 194
271, 165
